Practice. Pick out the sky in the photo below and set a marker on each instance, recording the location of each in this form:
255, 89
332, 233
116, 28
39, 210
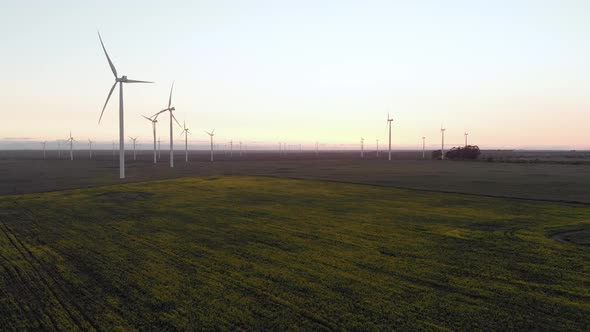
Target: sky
514, 74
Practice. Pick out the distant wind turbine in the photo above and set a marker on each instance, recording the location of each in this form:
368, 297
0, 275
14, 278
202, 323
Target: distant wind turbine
211, 134
442, 148
120, 81
172, 117
240, 148
389, 121
71, 139
423, 147
362, 147
153, 120
231, 148
159, 149
90, 147
58, 149
317, 149
466, 134
377, 148
44, 143
134, 141
186, 133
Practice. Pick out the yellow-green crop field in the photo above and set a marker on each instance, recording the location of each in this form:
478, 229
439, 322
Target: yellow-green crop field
266, 253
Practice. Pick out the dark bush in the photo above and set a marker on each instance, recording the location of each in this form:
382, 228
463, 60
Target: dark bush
467, 152
436, 154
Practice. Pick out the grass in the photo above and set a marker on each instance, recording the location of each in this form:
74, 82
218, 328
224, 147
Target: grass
265, 253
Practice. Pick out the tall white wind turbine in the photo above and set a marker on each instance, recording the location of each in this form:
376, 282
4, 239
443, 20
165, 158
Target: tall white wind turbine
134, 139
153, 120
170, 109
466, 134
423, 147
120, 81
71, 139
389, 121
185, 131
211, 134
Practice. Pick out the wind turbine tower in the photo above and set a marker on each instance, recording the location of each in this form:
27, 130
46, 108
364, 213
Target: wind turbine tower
211, 134
186, 133
317, 149
377, 148
172, 117
466, 134
389, 121
231, 148
120, 81
134, 141
423, 147
240, 148
153, 121
90, 147
44, 143
362, 147
71, 139
58, 149
159, 150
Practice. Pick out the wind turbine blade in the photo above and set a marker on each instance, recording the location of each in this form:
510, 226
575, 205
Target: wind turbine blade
147, 118
172, 114
136, 81
160, 112
213, 132
107, 101
108, 58
170, 98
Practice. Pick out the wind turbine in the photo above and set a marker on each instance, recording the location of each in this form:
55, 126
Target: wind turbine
377, 148
90, 147
134, 141
44, 143
71, 139
159, 149
58, 149
362, 147
231, 148
172, 117
442, 148
423, 147
120, 81
186, 133
317, 149
389, 121
153, 121
211, 134
466, 134
240, 148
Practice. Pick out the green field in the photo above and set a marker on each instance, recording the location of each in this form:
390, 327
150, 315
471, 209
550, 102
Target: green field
266, 253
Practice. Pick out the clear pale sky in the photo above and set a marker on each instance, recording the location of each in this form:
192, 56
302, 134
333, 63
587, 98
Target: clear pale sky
512, 73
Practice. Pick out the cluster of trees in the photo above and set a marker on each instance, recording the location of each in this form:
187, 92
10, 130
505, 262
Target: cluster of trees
462, 152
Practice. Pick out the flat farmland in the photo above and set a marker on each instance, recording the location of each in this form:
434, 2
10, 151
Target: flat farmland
236, 252
26, 173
